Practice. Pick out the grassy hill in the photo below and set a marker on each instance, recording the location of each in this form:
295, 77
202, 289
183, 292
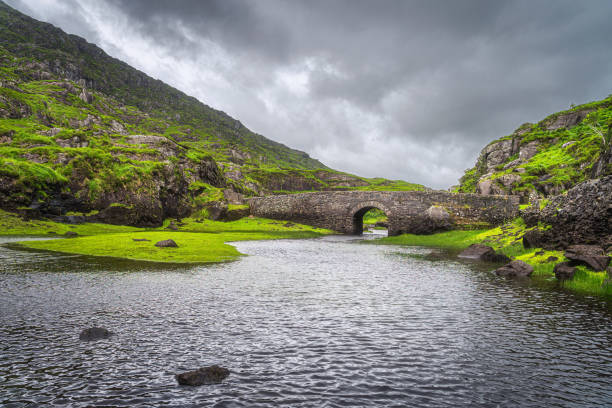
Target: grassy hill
83, 134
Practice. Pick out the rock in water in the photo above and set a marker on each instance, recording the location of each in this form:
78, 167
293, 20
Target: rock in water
515, 269
564, 271
168, 243
483, 253
95, 333
590, 255
205, 375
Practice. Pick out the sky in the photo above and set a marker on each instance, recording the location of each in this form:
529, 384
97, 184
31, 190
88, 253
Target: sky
408, 90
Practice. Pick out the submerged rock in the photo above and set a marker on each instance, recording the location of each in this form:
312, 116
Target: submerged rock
94, 333
590, 255
168, 243
202, 376
515, 269
483, 253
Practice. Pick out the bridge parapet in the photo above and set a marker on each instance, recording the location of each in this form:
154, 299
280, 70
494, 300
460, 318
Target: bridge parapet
408, 211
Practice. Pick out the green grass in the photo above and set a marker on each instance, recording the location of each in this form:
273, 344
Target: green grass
192, 247
457, 239
200, 241
374, 215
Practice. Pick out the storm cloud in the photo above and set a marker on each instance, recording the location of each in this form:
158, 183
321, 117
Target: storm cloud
399, 89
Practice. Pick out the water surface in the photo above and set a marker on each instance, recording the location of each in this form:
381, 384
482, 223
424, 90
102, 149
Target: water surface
300, 323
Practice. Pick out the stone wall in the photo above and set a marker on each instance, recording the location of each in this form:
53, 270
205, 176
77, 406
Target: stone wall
408, 211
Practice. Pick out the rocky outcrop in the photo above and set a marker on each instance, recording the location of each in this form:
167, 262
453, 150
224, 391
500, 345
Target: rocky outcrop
566, 120
581, 216
515, 269
203, 376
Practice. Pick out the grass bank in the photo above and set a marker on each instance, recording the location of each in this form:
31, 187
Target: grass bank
198, 240
507, 240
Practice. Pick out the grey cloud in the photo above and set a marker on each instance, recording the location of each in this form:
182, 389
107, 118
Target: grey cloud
401, 89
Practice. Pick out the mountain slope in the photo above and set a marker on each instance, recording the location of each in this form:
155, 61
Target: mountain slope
546, 158
86, 137
71, 57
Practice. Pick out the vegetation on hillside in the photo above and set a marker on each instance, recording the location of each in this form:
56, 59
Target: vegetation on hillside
550, 157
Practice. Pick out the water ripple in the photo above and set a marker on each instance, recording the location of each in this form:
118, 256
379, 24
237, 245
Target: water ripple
312, 323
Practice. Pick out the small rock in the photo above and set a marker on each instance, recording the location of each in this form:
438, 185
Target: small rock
172, 226
483, 253
516, 269
94, 333
71, 234
289, 225
205, 375
564, 271
140, 239
552, 259
168, 243
589, 255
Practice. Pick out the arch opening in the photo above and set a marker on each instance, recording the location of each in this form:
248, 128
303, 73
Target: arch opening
371, 220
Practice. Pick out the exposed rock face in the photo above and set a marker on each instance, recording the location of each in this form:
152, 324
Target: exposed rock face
566, 120
168, 243
203, 376
95, 333
515, 269
582, 216
564, 271
590, 255
483, 253
498, 152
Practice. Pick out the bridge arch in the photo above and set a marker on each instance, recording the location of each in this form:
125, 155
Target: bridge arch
356, 213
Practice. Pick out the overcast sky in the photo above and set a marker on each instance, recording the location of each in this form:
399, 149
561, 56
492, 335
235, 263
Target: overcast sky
399, 89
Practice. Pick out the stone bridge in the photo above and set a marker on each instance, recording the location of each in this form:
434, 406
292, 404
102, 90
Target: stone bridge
417, 212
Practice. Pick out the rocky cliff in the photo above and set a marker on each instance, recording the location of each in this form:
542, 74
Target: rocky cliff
546, 158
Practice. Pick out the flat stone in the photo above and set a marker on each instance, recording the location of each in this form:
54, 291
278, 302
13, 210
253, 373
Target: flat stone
168, 243
140, 239
515, 269
203, 376
94, 333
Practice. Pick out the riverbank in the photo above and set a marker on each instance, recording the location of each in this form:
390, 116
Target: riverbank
507, 239
198, 240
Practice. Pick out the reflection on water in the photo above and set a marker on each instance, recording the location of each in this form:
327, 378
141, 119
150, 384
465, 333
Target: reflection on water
325, 322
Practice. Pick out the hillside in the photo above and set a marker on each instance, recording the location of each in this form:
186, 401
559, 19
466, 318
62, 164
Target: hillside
547, 158
84, 136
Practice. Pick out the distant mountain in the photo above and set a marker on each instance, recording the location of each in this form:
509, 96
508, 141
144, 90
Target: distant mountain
547, 158
84, 136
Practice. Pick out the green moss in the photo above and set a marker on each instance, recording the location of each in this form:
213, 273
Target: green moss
202, 246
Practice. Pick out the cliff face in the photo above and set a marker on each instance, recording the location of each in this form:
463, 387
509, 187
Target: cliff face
547, 158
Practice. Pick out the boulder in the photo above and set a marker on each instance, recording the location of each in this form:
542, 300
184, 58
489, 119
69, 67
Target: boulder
515, 269
95, 333
483, 253
85, 96
564, 271
202, 376
528, 150
168, 243
590, 255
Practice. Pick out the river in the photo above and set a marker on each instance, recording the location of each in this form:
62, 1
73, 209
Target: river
325, 322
